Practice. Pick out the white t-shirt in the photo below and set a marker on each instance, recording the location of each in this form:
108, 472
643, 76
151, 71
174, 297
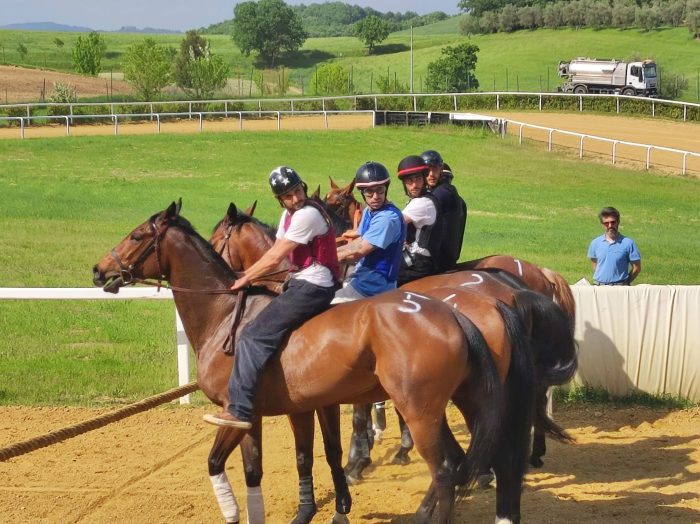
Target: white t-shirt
421, 211
305, 225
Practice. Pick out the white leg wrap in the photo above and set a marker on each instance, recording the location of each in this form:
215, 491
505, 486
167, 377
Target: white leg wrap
256, 506
339, 518
225, 497
503, 521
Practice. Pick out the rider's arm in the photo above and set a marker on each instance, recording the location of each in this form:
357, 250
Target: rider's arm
355, 250
269, 261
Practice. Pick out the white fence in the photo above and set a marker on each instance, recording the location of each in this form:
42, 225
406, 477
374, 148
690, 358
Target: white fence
647, 148
639, 338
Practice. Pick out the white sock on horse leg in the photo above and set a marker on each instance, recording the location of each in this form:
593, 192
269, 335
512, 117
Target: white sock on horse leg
256, 506
225, 497
503, 521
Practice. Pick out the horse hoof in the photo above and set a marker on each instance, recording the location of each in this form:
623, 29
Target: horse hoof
484, 480
378, 435
536, 462
340, 518
401, 459
353, 481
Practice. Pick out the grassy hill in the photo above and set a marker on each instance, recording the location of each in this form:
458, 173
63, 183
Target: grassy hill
523, 60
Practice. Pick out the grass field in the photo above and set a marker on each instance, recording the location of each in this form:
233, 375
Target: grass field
524, 60
67, 201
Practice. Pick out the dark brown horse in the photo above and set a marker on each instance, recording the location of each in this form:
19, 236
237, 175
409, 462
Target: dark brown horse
361, 351
240, 237
229, 237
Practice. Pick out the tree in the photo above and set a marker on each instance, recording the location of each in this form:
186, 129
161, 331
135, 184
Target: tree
693, 17
87, 53
269, 27
147, 67
198, 71
22, 50
58, 43
330, 79
454, 71
371, 31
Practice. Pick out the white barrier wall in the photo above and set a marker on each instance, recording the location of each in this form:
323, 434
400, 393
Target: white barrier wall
642, 337
639, 338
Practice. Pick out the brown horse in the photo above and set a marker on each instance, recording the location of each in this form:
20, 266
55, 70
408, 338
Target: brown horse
229, 236
361, 351
239, 236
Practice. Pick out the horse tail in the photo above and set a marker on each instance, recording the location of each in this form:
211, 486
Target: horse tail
520, 385
562, 294
553, 344
485, 387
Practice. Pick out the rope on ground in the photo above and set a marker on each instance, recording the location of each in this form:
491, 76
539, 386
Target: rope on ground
42, 441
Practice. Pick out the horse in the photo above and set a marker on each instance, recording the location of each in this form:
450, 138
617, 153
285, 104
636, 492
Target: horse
240, 237
353, 352
540, 279
251, 238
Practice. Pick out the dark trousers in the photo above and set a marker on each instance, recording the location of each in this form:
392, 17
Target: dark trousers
262, 337
413, 267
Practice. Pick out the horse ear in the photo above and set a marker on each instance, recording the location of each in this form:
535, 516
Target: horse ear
316, 195
251, 210
178, 207
349, 187
232, 212
172, 210
333, 184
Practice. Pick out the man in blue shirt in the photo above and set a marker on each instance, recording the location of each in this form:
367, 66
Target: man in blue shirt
615, 257
377, 249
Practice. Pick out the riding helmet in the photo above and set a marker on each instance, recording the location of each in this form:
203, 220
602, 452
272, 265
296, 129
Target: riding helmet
411, 165
283, 179
432, 157
371, 174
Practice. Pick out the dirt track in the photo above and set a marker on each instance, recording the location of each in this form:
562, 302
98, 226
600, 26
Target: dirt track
636, 465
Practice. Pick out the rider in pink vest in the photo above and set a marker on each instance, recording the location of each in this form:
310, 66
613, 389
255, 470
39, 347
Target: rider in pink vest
305, 236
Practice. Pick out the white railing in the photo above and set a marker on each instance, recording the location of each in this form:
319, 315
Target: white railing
353, 101
116, 118
126, 293
614, 143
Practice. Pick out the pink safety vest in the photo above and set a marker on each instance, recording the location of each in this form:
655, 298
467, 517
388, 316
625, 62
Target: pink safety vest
321, 249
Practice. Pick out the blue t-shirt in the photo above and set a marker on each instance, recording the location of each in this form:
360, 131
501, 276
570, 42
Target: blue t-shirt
386, 231
613, 260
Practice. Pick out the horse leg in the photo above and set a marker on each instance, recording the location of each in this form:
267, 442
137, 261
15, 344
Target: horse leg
508, 490
454, 454
401, 456
225, 442
358, 456
303, 428
429, 441
379, 425
329, 419
539, 446
251, 452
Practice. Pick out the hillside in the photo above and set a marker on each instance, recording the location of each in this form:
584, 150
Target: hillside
522, 60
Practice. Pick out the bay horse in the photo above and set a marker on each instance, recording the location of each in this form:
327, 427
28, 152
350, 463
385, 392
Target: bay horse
240, 240
239, 237
543, 280
361, 351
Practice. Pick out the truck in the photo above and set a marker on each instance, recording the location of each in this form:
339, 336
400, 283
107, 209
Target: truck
593, 75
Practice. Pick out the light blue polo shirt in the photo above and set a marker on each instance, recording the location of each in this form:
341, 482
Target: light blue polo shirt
613, 260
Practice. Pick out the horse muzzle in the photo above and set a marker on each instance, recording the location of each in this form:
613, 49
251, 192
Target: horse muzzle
110, 282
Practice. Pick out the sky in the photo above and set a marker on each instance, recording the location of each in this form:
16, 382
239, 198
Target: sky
110, 15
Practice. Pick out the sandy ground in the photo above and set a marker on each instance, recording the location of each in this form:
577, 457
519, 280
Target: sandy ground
19, 84
634, 465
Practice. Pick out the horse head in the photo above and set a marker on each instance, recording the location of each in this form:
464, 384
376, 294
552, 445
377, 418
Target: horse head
137, 256
342, 203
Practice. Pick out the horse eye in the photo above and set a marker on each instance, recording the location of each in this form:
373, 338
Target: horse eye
137, 237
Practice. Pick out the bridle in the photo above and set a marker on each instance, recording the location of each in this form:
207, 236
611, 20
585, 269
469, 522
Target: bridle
126, 276
345, 200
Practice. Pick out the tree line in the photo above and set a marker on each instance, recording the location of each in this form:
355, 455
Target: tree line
491, 16
338, 18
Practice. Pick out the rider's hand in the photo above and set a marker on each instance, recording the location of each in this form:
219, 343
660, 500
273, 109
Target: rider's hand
241, 282
350, 234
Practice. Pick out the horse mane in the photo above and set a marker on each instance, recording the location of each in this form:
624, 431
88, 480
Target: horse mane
203, 247
243, 218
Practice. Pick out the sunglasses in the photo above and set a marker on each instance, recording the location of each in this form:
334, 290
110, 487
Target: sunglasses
369, 191
610, 222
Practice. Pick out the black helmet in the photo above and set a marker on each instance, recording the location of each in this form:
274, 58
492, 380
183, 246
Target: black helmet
371, 174
412, 165
283, 179
432, 158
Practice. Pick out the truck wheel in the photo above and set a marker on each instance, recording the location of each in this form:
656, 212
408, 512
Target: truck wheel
580, 90
628, 91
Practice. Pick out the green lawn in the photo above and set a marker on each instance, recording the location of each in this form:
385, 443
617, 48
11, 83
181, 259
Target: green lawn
67, 201
524, 60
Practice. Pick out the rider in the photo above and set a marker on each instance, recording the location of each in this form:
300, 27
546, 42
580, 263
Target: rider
377, 249
423, 221
306, 236
453, 210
